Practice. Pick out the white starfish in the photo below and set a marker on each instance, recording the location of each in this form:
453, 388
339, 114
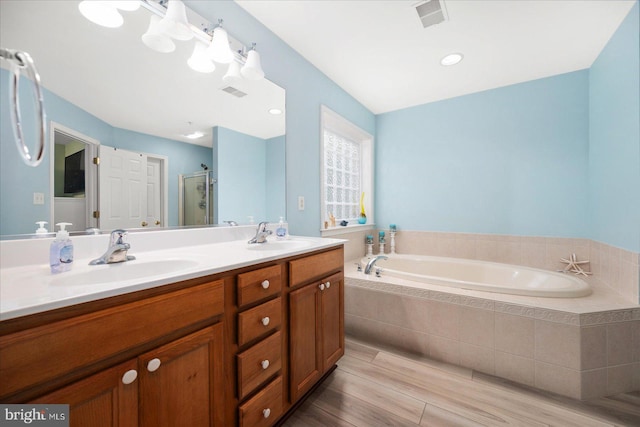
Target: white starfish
573, 265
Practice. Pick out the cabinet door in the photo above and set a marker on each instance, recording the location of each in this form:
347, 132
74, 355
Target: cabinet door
106, 399
181, 383
332, 315
304, 345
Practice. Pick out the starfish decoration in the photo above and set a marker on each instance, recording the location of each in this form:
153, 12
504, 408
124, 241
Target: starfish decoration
573, 265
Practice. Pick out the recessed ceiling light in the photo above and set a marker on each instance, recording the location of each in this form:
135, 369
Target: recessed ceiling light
275, 111
451, 59
194, 135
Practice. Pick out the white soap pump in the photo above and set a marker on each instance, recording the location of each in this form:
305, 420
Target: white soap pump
61, 251
41, 229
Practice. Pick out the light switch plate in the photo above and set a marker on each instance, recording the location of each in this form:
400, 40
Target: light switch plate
300, 203
38, 198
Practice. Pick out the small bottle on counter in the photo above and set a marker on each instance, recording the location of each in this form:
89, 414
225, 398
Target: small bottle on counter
61, 251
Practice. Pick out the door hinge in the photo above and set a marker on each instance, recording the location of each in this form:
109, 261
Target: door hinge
96, 214
96, 160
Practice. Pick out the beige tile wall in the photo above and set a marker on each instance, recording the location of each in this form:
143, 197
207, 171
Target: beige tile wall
577, 360
616, 268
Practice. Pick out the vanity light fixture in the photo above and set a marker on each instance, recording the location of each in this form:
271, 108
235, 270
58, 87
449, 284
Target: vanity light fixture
168, 22
451, 59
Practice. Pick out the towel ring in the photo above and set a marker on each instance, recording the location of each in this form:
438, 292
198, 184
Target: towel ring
19, 61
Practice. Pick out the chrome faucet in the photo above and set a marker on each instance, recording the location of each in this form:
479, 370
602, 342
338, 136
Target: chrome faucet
231, 223
116, 251
261, 233
372, 262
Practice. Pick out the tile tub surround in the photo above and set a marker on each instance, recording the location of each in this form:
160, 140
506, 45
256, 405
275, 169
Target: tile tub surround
616, 268
582, 348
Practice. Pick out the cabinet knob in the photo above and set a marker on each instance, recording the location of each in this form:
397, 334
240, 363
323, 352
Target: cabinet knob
266, 320
129, 376
328, 284
321, 286
265, 284
153, 365
266, 412
265, 364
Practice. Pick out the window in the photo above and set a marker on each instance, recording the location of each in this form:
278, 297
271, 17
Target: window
347, 170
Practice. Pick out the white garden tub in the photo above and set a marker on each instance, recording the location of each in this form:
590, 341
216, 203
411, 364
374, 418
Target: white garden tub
483, 276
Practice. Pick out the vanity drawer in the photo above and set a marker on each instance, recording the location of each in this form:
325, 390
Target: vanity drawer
259, 363
259, 321
315, 266
40, 354
259, 284
264, 408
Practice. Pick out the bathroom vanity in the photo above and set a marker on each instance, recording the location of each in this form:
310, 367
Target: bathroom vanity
208, 346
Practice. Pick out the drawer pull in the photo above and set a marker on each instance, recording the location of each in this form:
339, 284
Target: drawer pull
328, 284
265, 321
266, 412
129, 376
321, 286
153, 365
265, 284
265, 364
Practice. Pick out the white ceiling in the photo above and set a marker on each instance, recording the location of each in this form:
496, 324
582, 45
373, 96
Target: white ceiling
111, 74
379, 52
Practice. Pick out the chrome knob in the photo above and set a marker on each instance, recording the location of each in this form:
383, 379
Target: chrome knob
265, 284
321, 286
265, 321
265, 364
328, 284
266, 412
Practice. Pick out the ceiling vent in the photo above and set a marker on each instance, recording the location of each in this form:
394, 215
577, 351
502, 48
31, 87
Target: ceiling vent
431, 12
233, 91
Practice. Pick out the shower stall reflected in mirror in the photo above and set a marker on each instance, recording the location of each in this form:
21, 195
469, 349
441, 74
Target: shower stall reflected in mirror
196, 198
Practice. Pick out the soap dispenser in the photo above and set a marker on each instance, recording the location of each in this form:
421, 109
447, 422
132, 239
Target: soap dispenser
281, 231
41, 229
61, 252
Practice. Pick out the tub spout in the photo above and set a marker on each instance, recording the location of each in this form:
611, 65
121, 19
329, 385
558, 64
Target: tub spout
372, 262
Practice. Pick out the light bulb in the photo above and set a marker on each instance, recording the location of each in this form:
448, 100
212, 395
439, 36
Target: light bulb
101, 12
156, 39
219, 49
252, 69
199, 60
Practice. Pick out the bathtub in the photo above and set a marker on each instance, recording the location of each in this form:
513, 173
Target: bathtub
483, 276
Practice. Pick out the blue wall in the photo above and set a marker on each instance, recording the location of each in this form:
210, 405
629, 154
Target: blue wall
19, 181
276, 179
307, 88
511, 160
614, 144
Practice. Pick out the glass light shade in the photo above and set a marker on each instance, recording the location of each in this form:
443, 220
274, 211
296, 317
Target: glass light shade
175, 23
233, 74
219, 49
156, 39
252, 69
128, 5
101, 12
199, 60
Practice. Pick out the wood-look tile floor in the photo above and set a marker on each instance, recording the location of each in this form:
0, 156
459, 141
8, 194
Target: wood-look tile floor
381, 387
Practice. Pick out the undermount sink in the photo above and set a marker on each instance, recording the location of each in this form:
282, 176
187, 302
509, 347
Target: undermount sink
123, 271
279, 245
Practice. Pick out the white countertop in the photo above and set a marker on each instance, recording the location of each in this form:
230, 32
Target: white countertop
32, 288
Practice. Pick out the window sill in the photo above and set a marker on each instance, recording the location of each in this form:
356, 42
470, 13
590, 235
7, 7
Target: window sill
335, 231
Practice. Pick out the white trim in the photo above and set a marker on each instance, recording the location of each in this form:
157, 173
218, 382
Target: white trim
335, 231
334, 122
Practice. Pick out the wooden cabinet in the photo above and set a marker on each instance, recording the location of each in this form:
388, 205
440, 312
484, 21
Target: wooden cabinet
316, 332
177, 384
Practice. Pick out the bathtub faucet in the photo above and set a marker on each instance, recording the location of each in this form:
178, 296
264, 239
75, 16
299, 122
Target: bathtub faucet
371, 263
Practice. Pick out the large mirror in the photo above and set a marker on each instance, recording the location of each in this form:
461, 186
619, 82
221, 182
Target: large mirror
107, 94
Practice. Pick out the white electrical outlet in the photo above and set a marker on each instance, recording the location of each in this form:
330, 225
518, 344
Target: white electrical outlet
38, 198
300, 203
